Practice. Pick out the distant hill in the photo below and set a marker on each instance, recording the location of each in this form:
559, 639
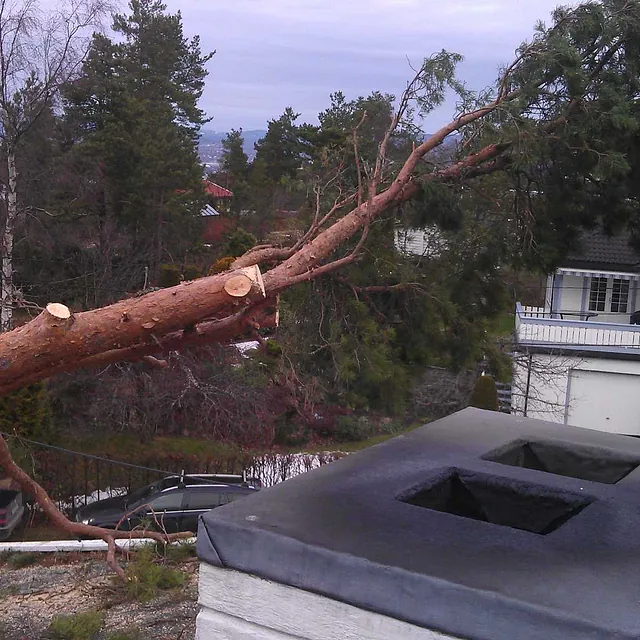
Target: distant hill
210, 146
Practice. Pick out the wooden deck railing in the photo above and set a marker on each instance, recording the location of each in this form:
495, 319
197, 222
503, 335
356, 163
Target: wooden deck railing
533, 327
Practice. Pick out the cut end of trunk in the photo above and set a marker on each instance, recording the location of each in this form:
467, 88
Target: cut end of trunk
238, 286
56, 316
254, 274
248, 279
58, 311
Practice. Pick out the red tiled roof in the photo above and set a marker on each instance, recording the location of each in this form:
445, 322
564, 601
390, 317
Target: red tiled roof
215, 190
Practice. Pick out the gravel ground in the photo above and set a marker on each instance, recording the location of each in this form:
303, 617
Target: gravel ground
66, 584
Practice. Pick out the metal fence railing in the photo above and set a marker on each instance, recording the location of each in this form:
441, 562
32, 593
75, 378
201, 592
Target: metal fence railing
73, 479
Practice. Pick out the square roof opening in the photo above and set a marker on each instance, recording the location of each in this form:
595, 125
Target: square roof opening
565, 459
497, 500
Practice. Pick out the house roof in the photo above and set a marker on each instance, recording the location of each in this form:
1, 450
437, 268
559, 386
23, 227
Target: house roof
215, 190
596, 249
209, 211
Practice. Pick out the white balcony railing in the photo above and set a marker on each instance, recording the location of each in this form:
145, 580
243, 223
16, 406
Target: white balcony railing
535, 328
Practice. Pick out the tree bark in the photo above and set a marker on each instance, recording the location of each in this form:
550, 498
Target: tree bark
49, 343
234, 327
11, 213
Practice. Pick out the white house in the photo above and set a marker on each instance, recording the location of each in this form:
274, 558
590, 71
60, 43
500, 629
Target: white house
577, 358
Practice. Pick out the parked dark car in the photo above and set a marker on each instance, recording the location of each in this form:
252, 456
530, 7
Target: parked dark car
171, 504
11, 511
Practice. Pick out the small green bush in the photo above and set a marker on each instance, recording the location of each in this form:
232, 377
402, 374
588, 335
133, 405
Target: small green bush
7, 592
239, 242
484, 394
177, 552
290, 433
191, 272
27, 412
80, 626
170, 275
22, 560
352, 429
221, 265
147, 575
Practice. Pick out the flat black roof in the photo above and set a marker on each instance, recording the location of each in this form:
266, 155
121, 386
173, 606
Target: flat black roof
426, 528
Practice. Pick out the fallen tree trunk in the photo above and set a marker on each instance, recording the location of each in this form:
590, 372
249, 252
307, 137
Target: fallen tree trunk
58, 340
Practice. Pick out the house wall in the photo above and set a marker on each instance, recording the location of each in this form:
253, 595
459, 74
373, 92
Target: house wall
571, 293
596, 393
216, 227
239, 606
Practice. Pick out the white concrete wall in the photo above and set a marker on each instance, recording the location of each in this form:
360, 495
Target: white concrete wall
594, 393
239, 606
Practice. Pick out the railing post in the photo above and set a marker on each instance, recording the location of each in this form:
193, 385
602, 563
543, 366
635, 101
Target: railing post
526, 393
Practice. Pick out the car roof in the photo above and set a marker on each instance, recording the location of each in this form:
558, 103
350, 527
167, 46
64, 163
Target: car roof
219, 486
219, 479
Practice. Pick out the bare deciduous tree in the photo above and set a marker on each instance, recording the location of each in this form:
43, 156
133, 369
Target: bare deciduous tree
40, 50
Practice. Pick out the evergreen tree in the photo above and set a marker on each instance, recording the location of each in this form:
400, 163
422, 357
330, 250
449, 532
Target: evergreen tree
136, 113
27, 413
284, 146
484, 394
234, 169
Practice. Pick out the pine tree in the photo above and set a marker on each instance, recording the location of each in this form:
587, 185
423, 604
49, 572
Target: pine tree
234, 169
136, 112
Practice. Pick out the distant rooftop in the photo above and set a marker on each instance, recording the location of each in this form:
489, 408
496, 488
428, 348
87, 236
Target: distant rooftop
209, 211
215, 190
596, 249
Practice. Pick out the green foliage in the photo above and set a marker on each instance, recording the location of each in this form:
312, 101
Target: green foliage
291, 433
352, 428
176, 553
273, 348
147, 575
221, 265
133, 113
191, 272
80, 626
238, 242
169, 275
484, 394
234, 170
27, 412
22, 560
282, 147
234, 161
7, 592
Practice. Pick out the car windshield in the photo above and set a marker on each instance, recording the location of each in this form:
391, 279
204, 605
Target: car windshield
140, 494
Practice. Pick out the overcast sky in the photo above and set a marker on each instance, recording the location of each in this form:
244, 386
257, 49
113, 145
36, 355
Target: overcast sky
277, 53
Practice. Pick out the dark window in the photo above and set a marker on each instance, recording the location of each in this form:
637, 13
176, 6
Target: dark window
225, 498
619, 296
170, 501
598, 294
204, 499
